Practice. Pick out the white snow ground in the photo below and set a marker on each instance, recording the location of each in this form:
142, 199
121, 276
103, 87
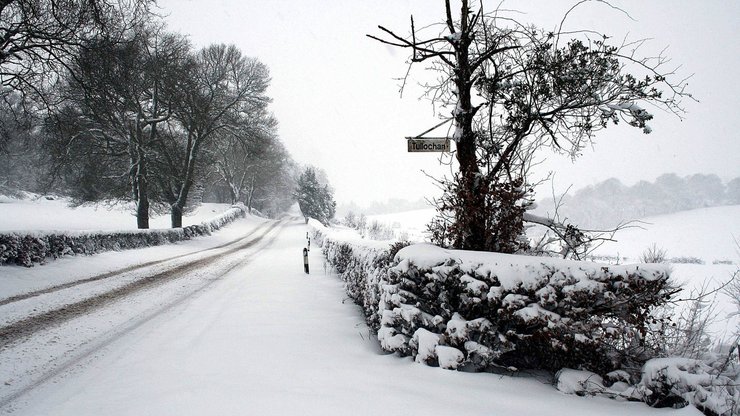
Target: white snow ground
267, 339
263, 338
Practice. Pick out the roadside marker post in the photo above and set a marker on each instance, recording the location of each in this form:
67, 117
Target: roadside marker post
305, 260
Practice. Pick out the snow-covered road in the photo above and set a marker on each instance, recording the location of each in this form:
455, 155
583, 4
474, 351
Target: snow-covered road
252, 335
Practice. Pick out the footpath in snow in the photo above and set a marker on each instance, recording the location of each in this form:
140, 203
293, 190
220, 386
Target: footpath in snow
267, 339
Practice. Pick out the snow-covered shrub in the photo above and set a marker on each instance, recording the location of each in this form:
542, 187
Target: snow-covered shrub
523, 312
481, 311
686, 260
497, 309
674, 382
654, 254
684, 332
36, 248
361, 268
579, 382
379, 231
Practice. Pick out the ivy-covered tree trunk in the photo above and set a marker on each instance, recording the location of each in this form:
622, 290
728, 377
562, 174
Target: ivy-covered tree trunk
470, 220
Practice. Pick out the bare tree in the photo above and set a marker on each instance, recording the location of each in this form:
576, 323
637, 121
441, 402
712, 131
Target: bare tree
37, 37
241, 156
513, 89
225, 87
118, 95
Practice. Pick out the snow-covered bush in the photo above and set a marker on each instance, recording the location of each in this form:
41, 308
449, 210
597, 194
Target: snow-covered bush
674, 382
523, 312
361, 268
379, 231
498, 309
32, 248
654, 254
686, 260
710, 385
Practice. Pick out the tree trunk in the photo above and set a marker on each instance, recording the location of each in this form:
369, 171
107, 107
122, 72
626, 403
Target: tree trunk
141, 187
251, 195
142, 197
470, 218
176, 216
177, 207
142, 211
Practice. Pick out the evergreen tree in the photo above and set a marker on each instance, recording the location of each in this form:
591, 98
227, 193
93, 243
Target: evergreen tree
315, 200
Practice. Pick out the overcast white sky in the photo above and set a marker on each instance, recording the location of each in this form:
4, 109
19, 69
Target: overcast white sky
336, 95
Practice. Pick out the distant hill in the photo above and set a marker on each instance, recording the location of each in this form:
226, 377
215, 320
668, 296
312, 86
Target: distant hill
610, 202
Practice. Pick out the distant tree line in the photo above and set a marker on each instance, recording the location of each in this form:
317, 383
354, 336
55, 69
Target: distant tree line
119, 108
610, 202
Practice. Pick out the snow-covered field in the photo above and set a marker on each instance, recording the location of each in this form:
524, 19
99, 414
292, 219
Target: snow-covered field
250, 333
37, 213
413, 223
708, 233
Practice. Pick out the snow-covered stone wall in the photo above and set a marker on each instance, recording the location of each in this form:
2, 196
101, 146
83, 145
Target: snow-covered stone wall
27, 249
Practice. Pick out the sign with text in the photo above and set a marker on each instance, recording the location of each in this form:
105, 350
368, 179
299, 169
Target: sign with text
435, 144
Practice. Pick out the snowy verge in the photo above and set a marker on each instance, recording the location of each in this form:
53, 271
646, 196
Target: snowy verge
27, 249
360, 263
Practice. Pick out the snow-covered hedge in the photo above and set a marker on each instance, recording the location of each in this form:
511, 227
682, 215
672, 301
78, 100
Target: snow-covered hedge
477, 310
26, 249
482, 311
711, 385
361, 265
490, 309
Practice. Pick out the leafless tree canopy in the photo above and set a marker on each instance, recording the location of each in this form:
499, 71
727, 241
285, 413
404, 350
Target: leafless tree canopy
37, 36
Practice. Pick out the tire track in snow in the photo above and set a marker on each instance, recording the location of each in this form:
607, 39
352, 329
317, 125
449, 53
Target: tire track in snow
88, 350
23, 328
51, 289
